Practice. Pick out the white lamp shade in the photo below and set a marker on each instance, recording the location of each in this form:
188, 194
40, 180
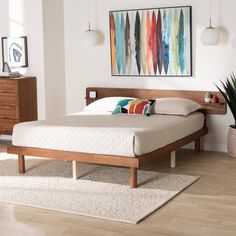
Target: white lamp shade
210, 36
90, 37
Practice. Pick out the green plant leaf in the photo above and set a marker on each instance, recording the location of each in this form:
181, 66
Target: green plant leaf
229, 93
233, 78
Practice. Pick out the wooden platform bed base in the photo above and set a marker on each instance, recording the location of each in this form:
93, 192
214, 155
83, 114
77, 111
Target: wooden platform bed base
131, 162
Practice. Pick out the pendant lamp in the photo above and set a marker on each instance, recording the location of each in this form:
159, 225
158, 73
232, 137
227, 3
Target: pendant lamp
90, 37
210, 35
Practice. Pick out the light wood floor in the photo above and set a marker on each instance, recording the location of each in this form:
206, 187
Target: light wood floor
208, 207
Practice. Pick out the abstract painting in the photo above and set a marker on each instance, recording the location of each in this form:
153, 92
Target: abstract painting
151, 42
14, 51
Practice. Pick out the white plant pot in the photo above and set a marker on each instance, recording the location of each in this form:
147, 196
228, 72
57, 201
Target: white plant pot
231, 141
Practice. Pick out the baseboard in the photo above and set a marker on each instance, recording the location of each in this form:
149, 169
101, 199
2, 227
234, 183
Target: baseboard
217, 147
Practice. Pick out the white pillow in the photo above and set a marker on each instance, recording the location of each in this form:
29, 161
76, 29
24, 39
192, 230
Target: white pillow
104, 104
175, 106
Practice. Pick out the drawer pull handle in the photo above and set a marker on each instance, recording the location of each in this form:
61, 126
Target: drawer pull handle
8, 104
8, 118
7, 91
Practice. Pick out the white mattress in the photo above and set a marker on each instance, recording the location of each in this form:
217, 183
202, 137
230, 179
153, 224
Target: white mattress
119, 135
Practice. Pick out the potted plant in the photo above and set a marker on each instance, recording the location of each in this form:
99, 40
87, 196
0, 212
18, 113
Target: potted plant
229, 93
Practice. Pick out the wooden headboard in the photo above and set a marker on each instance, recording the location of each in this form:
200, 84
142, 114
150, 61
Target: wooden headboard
197, 96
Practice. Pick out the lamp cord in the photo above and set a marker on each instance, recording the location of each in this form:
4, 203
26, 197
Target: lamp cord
89, 16
210, 12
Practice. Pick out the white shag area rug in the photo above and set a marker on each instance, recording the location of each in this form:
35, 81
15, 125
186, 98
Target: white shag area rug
101, 191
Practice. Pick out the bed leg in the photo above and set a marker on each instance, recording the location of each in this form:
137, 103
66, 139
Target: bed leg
21, 163
74, 170
197, 145
173, 159
133, 177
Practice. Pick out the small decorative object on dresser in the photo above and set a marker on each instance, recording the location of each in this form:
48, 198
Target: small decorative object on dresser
229, 94
208, 97
18, 102
214, 99
6, 67
6, 72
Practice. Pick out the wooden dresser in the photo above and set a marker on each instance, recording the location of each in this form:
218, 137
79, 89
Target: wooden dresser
18, 102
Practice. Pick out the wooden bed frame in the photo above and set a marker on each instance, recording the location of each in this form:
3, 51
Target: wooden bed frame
131, 162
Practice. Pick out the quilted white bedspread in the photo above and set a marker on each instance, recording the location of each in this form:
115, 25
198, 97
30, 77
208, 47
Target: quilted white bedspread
119, 135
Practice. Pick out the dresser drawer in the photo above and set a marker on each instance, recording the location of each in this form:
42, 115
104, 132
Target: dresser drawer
8, 86
8, 112
6, 125
18, 102
8, 99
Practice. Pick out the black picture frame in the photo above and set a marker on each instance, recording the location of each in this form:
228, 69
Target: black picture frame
15, 51
190, 67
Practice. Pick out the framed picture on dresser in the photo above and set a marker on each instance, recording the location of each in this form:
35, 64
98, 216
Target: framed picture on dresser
15, 51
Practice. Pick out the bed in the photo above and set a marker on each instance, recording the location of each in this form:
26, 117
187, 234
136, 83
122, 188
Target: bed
129, 141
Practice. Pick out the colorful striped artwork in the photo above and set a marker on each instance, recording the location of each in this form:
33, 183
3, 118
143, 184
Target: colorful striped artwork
151, 42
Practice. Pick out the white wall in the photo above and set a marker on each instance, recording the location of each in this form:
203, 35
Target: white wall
54, 57
20, 18
34, 31
90, 66
4, 24
42, 21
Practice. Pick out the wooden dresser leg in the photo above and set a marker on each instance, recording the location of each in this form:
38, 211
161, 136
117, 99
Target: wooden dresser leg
173, 159
133, 177
75, 170
197, 145
21, 163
